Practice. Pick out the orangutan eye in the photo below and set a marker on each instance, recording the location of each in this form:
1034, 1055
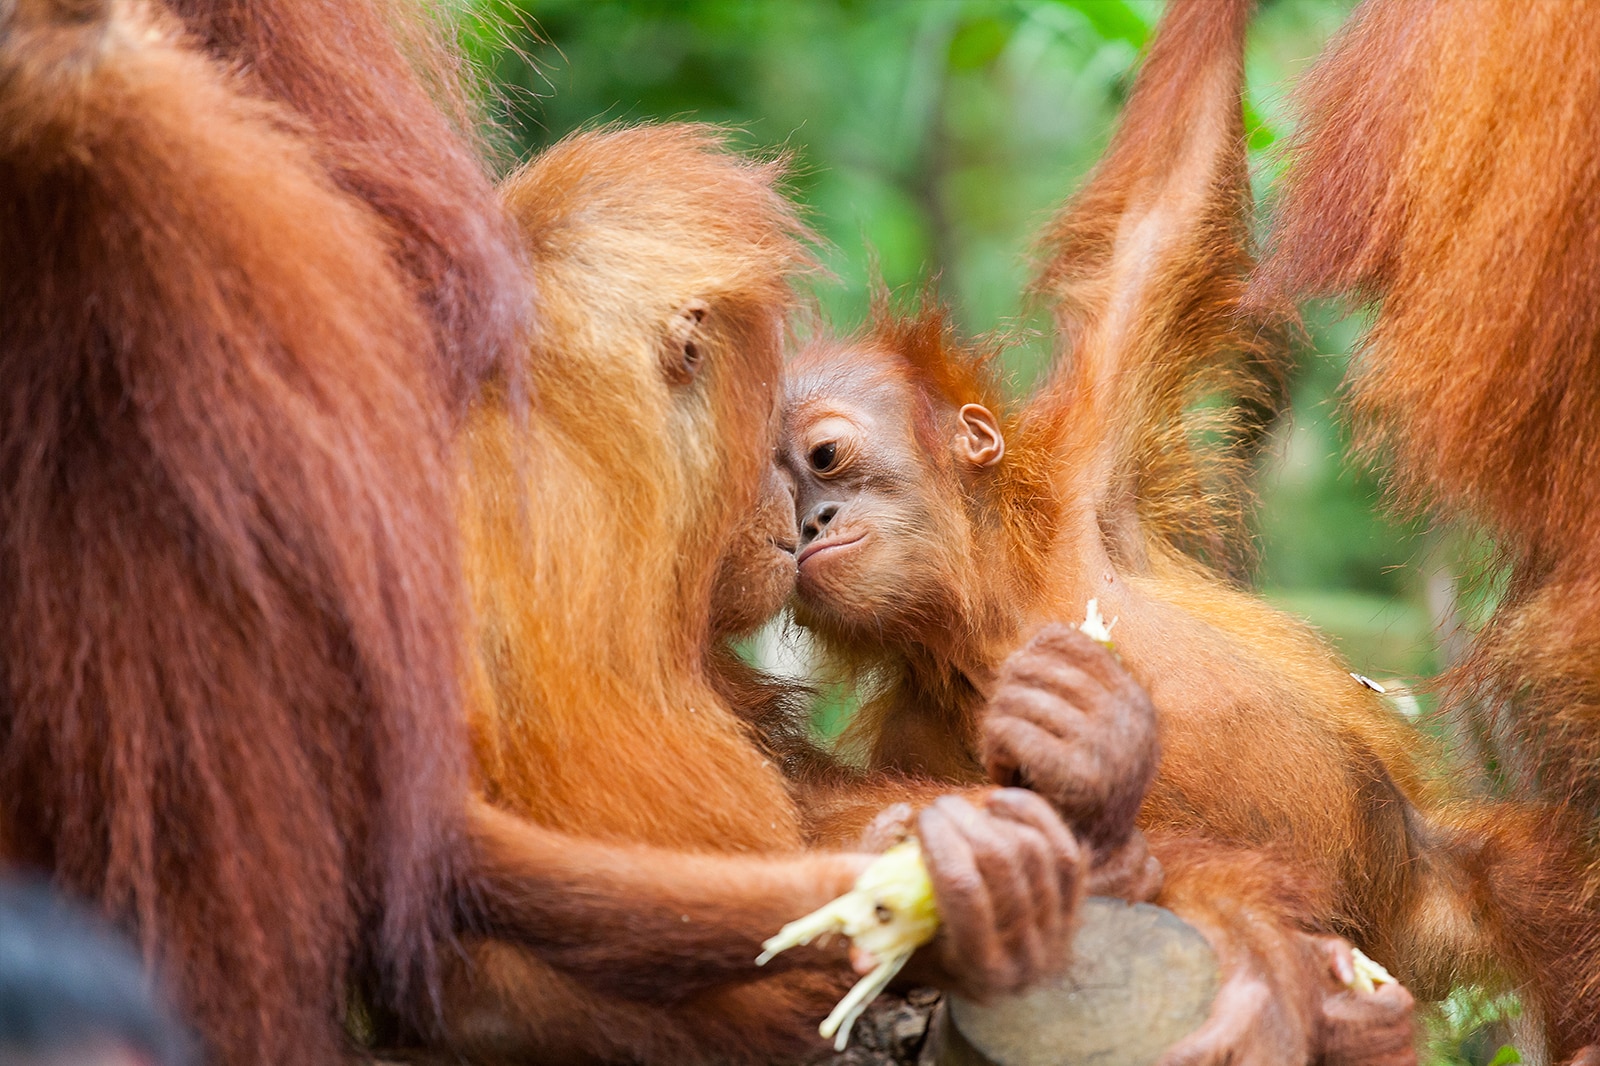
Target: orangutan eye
823, 457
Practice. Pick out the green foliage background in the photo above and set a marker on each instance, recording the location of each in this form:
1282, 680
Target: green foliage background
929, 140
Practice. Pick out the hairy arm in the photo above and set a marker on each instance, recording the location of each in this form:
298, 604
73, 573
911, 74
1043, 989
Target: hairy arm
648, 922
655, 924
1285, 993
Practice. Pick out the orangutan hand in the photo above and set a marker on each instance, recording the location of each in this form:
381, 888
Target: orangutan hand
1007, 879
1286, 998
1067, 721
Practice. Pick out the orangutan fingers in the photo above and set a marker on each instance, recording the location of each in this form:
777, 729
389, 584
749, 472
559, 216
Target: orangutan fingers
1035, 931
1071, 776
887, 828
967, 941
1055, 868
1065, 852
1341, 958
1065, 662
1128, 738
1001, 757
1069, 644
1376, 1028
1236, 1033
1018, 754
1048, 674
997, 849
1127, 870
1057, 718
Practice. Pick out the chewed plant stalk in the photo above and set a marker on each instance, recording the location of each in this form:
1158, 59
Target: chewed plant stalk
1097, 628
887, 916
1368, 974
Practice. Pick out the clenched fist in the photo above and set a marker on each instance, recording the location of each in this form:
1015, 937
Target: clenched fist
1007, 877
1067, 721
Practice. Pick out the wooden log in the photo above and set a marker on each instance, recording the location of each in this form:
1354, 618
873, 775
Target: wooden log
1141, 980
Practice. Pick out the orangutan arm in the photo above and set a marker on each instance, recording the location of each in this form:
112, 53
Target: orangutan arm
657, 924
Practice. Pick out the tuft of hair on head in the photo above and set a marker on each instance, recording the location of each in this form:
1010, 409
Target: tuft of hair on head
924, 339
673, 196
1444, 171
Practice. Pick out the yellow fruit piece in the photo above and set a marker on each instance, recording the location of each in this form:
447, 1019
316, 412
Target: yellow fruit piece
1368, 974
887, 916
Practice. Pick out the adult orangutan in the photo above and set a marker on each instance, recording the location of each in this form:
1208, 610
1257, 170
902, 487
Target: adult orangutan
939, 531
1446, 173
230, 303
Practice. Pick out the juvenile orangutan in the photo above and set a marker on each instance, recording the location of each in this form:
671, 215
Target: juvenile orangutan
941, 531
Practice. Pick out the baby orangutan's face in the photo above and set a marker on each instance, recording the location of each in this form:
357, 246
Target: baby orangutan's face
883, 529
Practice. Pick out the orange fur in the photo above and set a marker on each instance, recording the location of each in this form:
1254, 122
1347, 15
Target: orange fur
229, 584
1109, 489
664, 218
1445, 170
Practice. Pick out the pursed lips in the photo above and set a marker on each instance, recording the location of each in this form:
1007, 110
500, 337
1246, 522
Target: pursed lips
824, 544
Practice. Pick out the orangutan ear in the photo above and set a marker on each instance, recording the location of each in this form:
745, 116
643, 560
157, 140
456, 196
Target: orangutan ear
683, 343
978, 439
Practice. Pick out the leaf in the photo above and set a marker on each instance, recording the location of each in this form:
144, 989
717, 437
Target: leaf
1506, 1056
1113, 20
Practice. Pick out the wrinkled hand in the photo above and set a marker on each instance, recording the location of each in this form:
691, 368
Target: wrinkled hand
1374, 1027
1067, 721
1008, 878
1298, 1007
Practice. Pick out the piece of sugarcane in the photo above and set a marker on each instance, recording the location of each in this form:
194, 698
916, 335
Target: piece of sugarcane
1368, 974
889, 913
1096, 628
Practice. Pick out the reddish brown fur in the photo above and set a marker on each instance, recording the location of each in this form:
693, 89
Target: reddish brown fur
612, 540
401, 142
229, 579
661, 219
1106, 491
1446, 170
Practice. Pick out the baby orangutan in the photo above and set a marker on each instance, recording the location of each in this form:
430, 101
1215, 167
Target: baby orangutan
942, 531
915, 578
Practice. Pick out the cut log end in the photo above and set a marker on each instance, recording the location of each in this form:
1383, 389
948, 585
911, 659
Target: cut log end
1141, 980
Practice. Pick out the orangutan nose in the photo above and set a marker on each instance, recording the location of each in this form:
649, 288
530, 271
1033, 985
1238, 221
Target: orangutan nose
816, 522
